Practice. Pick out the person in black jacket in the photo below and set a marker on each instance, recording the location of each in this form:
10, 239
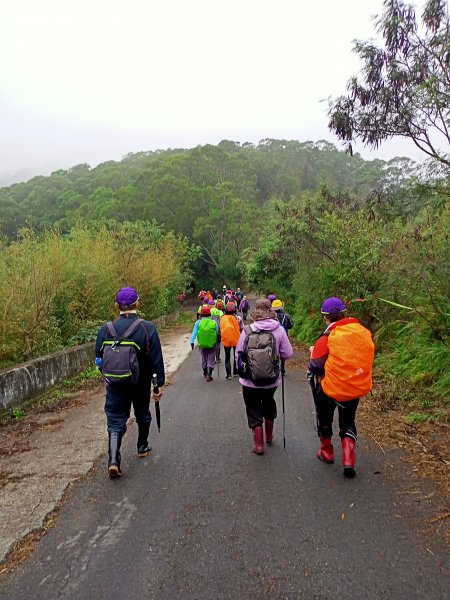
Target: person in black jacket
119, 397
284, 318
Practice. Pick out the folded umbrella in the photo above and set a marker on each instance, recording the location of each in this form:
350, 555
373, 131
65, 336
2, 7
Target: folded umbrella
157, 411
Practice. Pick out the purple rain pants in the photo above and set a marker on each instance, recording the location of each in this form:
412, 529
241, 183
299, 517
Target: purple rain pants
208, 357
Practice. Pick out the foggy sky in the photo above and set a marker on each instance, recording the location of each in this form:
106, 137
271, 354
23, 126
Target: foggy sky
90, 81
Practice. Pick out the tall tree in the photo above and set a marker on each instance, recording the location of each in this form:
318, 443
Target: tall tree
405, 86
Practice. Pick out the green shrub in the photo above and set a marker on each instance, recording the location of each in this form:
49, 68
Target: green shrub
57, 289
321, 245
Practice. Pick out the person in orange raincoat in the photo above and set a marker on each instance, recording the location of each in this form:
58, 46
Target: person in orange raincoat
341, 361
230, 332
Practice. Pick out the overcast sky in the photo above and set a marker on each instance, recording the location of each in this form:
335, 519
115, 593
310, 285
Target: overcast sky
92, 80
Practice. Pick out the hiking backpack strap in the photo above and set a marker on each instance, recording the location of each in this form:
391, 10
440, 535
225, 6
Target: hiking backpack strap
132, 328
112, 329
127, 333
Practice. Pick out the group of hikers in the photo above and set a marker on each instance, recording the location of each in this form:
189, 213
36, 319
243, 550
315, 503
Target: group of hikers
218, 324
129, 356
220, 300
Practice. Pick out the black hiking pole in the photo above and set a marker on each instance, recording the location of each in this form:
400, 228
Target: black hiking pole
217, 361
157, 411
282, 402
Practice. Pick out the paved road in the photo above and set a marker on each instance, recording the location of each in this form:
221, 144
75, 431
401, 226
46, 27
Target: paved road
204, 518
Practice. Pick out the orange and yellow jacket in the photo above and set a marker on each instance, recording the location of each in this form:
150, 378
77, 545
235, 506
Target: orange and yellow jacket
342, 358
229, 331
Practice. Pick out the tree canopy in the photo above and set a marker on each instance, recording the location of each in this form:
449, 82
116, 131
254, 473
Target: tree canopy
404, 89
216, 196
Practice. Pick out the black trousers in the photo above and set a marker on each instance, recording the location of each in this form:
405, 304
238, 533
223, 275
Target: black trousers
228, 360
325, 407
259, 404
118, 405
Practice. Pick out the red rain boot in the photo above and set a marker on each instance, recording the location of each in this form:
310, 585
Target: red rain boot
268, 426
348, 456
326, 452
258, 439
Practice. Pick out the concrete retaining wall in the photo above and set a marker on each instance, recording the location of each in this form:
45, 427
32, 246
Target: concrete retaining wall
36, 376
30, 379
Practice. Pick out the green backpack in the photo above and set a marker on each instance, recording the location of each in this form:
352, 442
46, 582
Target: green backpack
207, 333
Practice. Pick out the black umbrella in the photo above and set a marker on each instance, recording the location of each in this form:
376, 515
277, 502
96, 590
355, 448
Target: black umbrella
157, 411
315, 392
312, 382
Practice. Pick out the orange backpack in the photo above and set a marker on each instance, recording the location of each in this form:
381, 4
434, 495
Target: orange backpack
348, 369
229, 331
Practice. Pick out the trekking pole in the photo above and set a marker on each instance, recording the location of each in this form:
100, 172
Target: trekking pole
217, 358
282, 402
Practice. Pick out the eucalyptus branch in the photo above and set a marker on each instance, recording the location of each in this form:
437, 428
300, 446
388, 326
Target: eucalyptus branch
319, 250
212, 260
446, 130
403, 90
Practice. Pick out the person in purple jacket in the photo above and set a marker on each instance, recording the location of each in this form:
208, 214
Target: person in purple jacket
259, 399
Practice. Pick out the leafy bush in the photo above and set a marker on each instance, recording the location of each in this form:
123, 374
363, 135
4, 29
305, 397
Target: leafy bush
392, 270
57, 289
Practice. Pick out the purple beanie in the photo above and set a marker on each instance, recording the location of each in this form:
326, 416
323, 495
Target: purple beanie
126, 296
332, 306
271, 297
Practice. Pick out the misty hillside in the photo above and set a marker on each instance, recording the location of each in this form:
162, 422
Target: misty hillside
176, 187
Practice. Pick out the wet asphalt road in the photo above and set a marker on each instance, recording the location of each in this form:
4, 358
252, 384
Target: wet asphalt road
204, 518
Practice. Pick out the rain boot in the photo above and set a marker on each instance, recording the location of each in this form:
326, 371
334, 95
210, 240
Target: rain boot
326, 452
268, 426
114, 469
210, 377
348, 456
142, 444
258, 439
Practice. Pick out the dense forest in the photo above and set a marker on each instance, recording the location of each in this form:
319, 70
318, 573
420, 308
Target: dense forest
303, 219
216, 196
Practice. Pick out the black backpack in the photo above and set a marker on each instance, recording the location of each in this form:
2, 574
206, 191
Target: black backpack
120, 361
286, 322
259, 360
